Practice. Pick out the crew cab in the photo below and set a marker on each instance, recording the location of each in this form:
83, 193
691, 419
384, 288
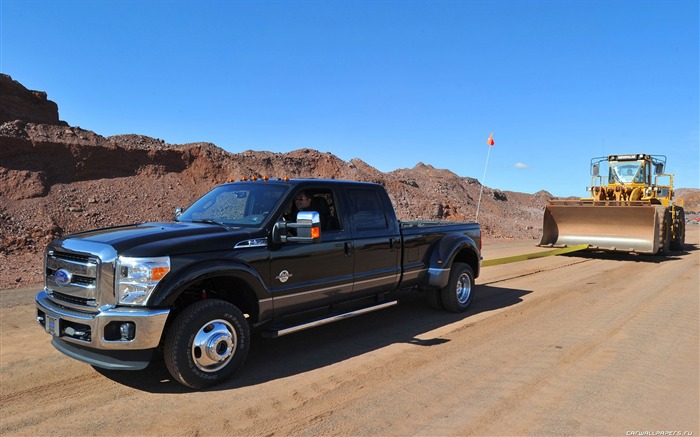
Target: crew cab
244, 258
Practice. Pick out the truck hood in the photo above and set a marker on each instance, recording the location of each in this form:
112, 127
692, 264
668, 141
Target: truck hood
156, 239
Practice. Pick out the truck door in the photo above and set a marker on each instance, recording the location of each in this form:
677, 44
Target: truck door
305, 276
376, 241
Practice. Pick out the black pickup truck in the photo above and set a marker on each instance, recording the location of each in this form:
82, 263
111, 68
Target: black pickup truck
274, 256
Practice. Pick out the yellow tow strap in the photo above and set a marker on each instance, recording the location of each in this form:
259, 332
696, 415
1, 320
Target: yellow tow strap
516, 258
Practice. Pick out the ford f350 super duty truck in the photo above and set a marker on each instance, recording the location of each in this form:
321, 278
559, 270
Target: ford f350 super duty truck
274, 256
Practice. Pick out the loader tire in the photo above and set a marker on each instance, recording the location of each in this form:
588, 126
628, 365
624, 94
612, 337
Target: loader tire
666, 235
678, 243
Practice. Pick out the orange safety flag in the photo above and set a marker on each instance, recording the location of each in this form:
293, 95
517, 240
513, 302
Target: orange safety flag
490, 141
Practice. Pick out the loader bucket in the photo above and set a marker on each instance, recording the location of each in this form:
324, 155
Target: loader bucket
615, 226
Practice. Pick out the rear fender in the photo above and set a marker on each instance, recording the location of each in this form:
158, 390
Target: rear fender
449, 249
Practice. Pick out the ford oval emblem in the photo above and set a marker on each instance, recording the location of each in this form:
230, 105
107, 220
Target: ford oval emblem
63, 277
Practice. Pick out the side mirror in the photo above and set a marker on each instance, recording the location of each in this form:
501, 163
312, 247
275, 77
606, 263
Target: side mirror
595, 170
307, 226
659, 168
178, 212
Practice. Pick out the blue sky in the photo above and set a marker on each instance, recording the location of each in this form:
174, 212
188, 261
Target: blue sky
393, 83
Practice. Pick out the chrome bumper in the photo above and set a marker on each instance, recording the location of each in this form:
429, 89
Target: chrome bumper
100, 330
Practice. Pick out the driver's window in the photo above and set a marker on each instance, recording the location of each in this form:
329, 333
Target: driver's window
319, 200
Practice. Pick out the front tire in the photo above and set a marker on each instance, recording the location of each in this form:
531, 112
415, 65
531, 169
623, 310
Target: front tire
457, 295
678, 243
207, 343
666, 235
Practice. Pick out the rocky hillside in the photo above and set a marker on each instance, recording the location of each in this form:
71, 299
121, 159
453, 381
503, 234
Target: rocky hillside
19, 103
56, 179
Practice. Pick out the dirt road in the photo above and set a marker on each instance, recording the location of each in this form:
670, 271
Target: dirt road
591, 344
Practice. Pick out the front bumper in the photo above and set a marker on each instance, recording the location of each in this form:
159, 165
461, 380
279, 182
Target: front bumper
89, 336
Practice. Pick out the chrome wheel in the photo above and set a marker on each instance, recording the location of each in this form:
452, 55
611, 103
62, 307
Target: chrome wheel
214, 345
206, 343
464, 288
458, 293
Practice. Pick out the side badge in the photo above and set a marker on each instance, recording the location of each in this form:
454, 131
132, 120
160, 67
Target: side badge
283, 276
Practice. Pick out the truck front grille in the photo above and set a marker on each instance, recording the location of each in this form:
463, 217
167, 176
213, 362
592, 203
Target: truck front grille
80, 274
72, 299
72, 257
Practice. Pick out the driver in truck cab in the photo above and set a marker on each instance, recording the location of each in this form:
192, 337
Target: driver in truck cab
306, 201
302, 201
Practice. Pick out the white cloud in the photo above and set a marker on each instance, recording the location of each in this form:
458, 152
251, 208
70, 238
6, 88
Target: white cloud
521, 165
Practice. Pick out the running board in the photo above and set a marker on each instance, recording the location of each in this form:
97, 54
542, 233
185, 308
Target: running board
274, 333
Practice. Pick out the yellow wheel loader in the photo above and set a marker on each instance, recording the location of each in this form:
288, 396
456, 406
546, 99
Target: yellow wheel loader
630, 209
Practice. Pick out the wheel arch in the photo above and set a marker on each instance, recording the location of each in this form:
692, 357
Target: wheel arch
236, 283
451, 249
469, 256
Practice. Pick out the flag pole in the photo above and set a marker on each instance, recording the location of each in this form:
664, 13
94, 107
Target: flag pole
490, 142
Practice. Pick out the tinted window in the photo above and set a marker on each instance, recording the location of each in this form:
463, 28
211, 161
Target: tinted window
367, 209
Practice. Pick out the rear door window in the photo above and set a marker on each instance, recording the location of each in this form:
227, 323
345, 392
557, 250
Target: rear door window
367, 210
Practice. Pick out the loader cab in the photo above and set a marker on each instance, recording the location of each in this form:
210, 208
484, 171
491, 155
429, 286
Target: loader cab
628, 173
634, 169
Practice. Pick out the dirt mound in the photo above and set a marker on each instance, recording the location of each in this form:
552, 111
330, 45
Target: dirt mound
57, 179
691, 199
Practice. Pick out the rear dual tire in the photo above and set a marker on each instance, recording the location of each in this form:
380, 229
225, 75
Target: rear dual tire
457, 295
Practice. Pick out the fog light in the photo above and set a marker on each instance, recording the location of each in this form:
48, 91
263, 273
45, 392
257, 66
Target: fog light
127, 331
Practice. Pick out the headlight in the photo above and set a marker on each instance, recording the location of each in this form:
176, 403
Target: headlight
137, 277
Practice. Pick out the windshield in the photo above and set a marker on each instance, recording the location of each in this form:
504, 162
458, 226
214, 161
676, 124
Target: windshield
246, 204
626, 172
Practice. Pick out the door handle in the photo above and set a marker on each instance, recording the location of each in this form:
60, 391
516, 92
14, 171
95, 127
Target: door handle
392, 241
348, 248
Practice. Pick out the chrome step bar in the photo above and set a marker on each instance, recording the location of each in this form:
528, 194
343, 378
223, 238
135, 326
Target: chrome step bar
274, 333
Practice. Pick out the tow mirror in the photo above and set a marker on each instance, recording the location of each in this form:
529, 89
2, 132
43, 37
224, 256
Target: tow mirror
307, 227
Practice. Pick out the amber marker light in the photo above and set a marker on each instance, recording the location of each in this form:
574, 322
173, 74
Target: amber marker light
315, 232
157, 273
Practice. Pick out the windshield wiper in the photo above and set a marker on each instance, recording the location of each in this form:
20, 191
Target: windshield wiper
209, 221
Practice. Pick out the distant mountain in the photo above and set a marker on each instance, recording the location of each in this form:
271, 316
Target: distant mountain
690, 197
